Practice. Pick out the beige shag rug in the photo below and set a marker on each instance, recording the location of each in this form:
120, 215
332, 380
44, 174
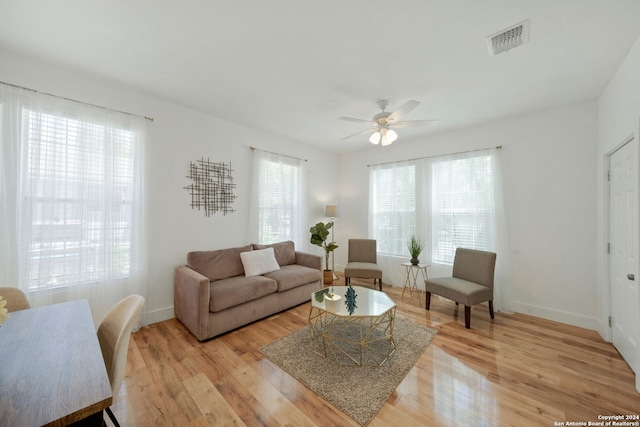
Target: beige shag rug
359, 392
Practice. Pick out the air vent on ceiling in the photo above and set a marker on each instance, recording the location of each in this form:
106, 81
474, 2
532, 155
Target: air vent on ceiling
509, 38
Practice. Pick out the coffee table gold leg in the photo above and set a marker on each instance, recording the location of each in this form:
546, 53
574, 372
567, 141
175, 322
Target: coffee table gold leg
364, 349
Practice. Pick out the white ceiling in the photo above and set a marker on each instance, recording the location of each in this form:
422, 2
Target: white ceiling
294, 66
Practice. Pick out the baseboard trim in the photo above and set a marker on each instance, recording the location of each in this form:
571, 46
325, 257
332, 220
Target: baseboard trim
566, 317
558, 316
159, 315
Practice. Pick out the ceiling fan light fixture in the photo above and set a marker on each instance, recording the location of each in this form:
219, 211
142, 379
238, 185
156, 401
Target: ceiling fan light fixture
389, 136
384, 121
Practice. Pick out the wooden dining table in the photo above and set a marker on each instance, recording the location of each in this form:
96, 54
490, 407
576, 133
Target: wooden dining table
51, 368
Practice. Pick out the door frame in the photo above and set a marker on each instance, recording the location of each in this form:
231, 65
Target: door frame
607, 294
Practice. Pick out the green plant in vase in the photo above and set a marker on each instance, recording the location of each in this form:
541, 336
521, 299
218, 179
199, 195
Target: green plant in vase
319, 235
415, 246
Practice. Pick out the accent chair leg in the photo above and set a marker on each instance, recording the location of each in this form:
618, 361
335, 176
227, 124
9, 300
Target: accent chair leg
491, 309
346, 281
467, 316
380, 284
428, 300
113, 417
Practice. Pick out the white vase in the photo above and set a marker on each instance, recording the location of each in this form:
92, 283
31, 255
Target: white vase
332, 303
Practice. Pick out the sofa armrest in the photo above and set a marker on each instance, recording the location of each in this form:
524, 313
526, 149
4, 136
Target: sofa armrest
309, 260
191, 294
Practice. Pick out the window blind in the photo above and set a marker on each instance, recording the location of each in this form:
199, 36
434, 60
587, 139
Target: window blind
393, 193
462, 206
450, 197
77, 193
277, 200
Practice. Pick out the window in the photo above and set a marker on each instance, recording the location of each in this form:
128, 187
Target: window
447, 201
393, 206
279, 198
72, 200
462, 206
77, 191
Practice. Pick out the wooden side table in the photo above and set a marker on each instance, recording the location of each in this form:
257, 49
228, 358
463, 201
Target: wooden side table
411, 277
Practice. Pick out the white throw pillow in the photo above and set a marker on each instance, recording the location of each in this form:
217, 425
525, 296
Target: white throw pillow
259, 262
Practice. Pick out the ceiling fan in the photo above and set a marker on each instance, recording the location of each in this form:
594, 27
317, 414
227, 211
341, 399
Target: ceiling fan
383, 122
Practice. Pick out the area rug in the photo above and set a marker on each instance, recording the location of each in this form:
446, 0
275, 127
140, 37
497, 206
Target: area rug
359, 392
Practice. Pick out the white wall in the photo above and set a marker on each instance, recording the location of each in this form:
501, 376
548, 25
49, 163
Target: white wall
618, 119
178, 136
550, 197
553, 163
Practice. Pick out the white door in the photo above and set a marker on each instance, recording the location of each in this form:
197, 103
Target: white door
623, 232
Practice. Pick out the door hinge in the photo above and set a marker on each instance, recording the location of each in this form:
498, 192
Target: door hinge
608, 175
608, 248
610, 321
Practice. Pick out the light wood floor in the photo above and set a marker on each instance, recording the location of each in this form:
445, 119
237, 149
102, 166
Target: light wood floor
514, 371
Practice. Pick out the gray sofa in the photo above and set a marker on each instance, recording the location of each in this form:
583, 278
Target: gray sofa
212, 294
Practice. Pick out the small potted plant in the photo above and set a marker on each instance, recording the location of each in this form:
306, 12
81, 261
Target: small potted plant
319, 234
415, 246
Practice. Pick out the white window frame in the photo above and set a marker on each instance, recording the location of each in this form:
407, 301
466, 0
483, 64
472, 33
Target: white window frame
463, 205
393, 208
389, 196
61, 245
278, 213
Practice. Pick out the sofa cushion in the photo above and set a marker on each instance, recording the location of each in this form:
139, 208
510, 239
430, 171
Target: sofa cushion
285, 252
218, 264
237, 290
290, 276
258, 262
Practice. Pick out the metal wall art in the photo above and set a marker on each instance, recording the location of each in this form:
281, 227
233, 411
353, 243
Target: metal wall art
212, 186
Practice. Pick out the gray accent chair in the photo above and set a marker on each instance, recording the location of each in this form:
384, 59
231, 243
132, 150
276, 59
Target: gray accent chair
362, 262
472, 281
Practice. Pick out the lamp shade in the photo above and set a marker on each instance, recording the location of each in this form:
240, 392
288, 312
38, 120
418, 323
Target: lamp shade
331, 211
384, 135
389, 136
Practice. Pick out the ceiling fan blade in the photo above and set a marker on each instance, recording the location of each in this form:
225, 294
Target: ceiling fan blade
405, 109
358, 133
415, 123
351, 119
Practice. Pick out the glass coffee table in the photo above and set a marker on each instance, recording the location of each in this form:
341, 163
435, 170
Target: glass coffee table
363, 338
